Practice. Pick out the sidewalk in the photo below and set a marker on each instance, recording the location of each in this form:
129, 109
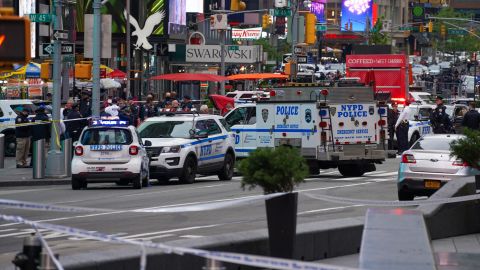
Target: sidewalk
10, 176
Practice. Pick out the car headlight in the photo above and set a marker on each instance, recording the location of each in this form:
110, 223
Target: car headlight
171, 149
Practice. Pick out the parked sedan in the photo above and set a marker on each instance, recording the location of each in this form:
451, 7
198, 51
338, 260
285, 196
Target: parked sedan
427, 166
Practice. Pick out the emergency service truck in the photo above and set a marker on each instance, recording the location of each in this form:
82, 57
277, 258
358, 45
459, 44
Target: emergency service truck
337, 127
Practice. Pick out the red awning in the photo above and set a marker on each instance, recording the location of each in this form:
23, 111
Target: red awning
190, 77
220, 102
257, 76
117, 74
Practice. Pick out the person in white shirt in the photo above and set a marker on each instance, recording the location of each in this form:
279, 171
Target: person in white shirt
401, 129
113, 109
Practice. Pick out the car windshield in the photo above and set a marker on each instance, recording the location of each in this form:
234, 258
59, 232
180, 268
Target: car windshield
438, 144
105, 136
231, 95
427, 99
166, 129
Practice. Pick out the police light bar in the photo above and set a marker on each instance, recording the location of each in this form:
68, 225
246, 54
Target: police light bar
108, 123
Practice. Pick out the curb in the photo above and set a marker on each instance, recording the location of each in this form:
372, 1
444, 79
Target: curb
32, 182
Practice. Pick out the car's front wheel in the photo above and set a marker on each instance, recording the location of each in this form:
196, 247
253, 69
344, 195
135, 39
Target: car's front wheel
189, 171
228, 167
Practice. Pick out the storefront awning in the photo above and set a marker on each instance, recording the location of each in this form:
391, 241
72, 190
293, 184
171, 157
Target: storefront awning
204, 77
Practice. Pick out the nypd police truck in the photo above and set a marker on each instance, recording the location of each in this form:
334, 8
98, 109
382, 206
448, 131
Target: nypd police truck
337, 127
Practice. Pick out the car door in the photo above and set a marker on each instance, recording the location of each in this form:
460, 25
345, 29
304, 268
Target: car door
203, 147
216, 142
236, 119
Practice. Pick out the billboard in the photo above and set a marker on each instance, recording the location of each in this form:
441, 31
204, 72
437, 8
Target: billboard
28, 7
195, 6
318, 8
355, 14
117, 7
177, 15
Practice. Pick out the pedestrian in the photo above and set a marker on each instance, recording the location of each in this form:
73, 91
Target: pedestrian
126, 115
23, 133
103, 114
175, 106
85, 105
168, 98
439, 118
67, 109
401, 129
471, 119
135, 110
204, 109
113, 109
392, 118
74, 125
187, 104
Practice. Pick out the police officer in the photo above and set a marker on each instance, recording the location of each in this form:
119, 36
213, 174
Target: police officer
392, 118
401, 129
74, 126
471, 119
22, 133
439, 118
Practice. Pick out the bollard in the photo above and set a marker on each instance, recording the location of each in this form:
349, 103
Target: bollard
38, 157
29, 258
68, 154
2, 151
213, 265
46, 263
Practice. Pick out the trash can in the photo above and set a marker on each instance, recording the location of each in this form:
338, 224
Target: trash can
38, 157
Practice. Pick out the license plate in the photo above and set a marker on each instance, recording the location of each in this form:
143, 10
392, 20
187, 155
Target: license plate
96, 169
432, 184
106, 147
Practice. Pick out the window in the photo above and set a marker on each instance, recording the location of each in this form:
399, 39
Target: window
252, 116
231, 95
422, 113
17, 108
213, 127
106, 136
167, 129
441, 144
236, 117
225, 125
246, 96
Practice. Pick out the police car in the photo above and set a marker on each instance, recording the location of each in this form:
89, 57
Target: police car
186, 144
109, 151
419, 122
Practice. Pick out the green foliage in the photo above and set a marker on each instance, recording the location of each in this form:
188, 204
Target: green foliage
274, 53
274, 170
468, 149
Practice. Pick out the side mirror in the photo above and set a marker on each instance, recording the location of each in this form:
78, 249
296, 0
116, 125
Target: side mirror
201, 135
147, 143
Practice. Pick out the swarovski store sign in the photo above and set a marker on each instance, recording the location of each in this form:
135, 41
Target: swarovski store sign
233, 54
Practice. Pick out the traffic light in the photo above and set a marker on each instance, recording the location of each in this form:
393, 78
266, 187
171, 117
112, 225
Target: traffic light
443, 30
430, 26
236, 5
421, 28
288, 68
46, 70
14, 40
310, 31
266, 21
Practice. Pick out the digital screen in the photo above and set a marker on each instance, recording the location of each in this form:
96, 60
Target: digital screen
318, 9
28, 7
355, 14
117, 7
194, 6
177, 15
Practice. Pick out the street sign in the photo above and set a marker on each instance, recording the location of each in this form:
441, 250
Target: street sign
282, 12
68, 48
233, 48
69, 58
321, 28
41, 18
406, 28
46, 49
457, 32
60, 35
298, 50
286, 58
301, 59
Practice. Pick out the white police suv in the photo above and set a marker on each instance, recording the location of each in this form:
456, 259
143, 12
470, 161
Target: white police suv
186, 144
109, 151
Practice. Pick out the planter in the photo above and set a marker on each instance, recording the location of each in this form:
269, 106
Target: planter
282, 224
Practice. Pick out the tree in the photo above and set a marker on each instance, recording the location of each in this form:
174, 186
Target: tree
274, 52
376, 36
468, 148
274, 170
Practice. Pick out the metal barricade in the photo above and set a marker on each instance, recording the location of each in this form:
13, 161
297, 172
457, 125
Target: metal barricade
2, 151
67, 152
38, 157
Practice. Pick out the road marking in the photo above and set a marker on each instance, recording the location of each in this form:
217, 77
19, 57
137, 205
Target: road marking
155, 237
375, 172
7, 230
27, 231
172, 231
189, 236
329, 209
328, 173
342, 186
171, 190
387, 174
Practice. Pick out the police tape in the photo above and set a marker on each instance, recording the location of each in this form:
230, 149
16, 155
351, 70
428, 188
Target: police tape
229, 257
49, 250
188, 207
430, 201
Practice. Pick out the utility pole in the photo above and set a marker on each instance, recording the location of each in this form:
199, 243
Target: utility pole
56, 159
294, 40
475, 77
222, 53
96, 58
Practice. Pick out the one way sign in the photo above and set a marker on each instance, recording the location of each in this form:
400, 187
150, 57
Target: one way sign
60, 35
46, 49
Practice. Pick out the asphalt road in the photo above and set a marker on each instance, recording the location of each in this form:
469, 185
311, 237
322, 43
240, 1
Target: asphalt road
162, 227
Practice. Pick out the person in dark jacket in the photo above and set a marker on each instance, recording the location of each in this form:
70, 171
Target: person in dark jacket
471, 119
392, 118
439, 118
74, 128
85, 105
23, 133
187, 104
41, 129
